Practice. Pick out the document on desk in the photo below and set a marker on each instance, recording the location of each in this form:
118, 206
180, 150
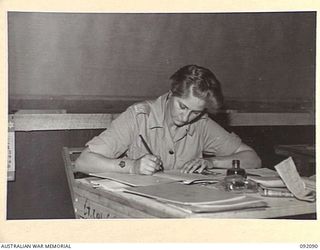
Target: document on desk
184, 194
190, 178
133, 179
264, 172
288, 173
167, 176
108, 184
268, 181
243, 203
197, 199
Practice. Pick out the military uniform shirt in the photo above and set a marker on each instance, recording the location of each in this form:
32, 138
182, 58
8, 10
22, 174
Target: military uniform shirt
191, 141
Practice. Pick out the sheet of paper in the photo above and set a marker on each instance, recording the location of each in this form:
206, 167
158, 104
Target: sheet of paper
310, 183
133, 179
185, 194
288, 173
188, 178
268, 181
246, 202
109, 185
262, 172
158, 178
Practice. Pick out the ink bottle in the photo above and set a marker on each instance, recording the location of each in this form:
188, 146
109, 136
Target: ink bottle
236, 180
236, 170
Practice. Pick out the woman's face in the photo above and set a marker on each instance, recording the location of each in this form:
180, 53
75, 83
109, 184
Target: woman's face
185, 110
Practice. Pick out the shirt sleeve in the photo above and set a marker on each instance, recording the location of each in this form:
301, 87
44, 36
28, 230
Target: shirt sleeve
115, 140
218, 141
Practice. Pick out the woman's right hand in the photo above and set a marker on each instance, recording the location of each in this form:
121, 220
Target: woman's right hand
147, 165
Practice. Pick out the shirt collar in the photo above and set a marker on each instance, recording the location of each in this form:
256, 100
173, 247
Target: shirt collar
158, 109
191, 127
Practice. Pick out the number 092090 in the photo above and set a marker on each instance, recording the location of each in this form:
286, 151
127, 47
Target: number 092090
308, 245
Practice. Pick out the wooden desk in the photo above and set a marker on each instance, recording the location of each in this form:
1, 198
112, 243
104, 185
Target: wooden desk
90, 202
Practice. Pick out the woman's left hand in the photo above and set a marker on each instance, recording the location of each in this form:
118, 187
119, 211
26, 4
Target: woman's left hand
197, 166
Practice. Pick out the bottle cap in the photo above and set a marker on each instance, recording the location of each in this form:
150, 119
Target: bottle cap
236, 163
236, 170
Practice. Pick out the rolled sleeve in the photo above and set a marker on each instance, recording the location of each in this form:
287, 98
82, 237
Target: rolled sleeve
115, 140
218, 141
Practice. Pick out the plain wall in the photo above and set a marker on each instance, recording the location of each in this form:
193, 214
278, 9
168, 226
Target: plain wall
256, 56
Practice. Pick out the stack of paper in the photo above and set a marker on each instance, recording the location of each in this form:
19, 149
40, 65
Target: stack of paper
290, 176
265, 172
108, 185
243, 203
133, 179
174, 187
197, 198
268, 181
191, 178
158, 178
310, 183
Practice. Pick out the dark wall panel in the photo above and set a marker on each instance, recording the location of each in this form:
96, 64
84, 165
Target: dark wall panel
40, 189
257, 56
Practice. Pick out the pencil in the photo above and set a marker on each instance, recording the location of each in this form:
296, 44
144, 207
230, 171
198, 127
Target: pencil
148, 148
146, 145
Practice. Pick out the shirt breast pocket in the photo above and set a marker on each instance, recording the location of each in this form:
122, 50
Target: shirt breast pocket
187, 156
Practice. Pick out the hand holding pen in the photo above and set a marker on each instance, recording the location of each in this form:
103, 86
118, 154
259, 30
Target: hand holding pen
148, 164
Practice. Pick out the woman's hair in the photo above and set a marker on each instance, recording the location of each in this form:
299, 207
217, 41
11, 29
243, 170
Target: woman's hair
199, 81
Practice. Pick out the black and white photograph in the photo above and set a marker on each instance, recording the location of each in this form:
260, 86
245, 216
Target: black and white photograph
161, 115
139, 115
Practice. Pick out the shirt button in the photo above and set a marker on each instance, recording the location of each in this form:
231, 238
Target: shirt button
171, 152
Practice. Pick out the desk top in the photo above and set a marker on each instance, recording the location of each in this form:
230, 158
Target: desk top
126, 205
138, 206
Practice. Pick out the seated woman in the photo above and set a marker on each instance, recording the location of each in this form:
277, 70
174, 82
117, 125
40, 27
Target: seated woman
175, 127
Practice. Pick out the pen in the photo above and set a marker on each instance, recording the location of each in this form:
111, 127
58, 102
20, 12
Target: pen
147, 147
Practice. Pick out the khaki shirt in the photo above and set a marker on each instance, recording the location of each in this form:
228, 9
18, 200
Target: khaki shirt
191, 141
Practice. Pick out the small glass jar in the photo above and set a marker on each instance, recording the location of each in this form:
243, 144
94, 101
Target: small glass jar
236, 170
